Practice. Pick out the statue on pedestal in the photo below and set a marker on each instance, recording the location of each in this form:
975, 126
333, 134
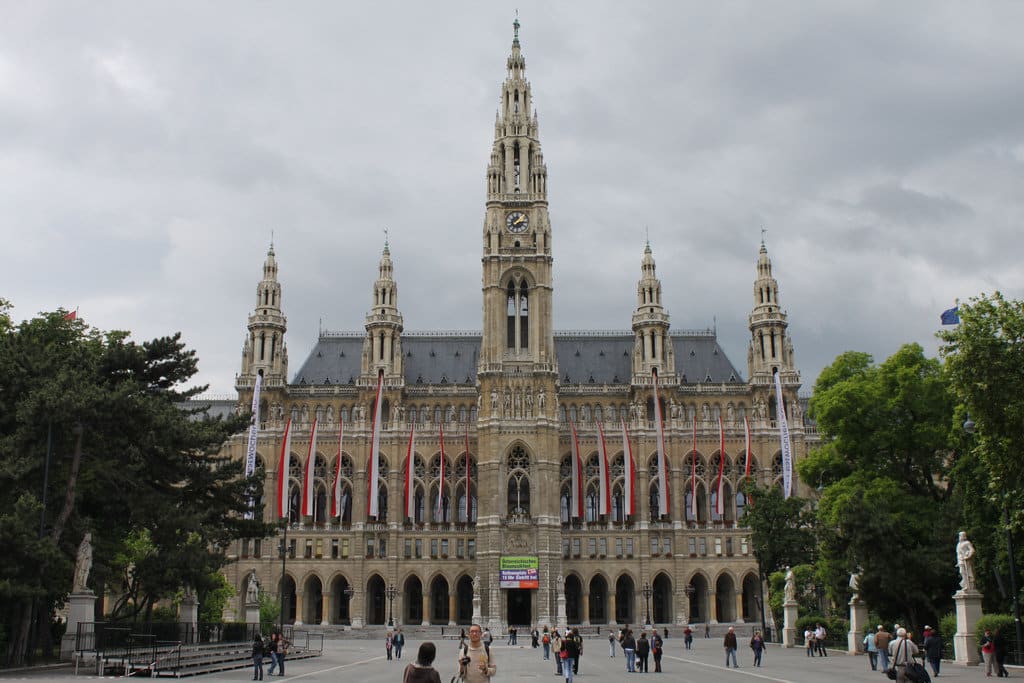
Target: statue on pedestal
855, 584
790, 585
965, 562
476, 585
83, 564
252, 590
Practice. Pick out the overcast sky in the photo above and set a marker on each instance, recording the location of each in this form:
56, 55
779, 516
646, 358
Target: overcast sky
148, 150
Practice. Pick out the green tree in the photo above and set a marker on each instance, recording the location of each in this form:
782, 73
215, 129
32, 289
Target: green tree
885, 506
128, 463
781, 529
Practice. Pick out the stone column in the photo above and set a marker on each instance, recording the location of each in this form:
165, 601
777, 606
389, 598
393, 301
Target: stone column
560, 611
356, 609
739, 606
300, 605
451, 609
476, 608
712, 607
968, 611
426, 610
325, 602
789, 610
858, 622
611, 608
81, 610
585, 599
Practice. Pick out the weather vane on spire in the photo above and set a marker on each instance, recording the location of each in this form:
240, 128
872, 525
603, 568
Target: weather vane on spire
385, 238
515, 26
271, 239
764, 231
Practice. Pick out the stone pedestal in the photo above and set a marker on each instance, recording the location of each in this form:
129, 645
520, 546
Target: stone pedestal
81, 609
252, 612
476, 609
560, 617
968, 611
858, 622
789, 612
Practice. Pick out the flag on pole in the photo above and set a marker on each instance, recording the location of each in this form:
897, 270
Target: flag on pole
746, 448
469, 480
720, 488
951, 316
337, 509
627, 457
577, 477
693, 473
373, 476
409, 489
439, 508
283, 465
71, 315
659, 430
605, 503
309, 481
787, 449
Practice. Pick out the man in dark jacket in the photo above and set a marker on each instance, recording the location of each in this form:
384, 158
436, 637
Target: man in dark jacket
933, 649
730, 648
643, 650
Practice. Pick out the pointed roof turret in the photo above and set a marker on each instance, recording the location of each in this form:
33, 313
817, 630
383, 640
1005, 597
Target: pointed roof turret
653, 347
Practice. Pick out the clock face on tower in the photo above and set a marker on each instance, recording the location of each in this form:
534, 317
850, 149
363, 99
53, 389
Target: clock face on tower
517, 222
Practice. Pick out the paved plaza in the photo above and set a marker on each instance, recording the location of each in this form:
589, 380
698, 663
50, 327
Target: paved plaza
364, 661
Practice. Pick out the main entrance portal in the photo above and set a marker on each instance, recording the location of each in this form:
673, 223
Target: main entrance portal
518, 606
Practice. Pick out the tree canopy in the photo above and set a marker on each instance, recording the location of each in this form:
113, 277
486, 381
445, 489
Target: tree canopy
127, 462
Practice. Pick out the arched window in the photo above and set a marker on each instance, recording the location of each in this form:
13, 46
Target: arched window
517, 311
592, 503
518, 482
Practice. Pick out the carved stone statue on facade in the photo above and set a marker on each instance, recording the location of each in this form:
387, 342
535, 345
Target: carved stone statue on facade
494, 401
529, 403
252, 590
965, 562
790, 585
83, 564
542, 398
508, 403
519, 404
730, 413
705, 413
476, 585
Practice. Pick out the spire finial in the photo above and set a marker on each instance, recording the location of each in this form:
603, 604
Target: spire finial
385, 238
271, 240
515, 28
647, 236
764, 231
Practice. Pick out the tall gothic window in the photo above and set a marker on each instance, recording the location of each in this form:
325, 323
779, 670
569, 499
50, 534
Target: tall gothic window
518, 316
518, 482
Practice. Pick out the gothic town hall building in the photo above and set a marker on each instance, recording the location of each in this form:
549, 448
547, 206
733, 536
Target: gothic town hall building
507, 399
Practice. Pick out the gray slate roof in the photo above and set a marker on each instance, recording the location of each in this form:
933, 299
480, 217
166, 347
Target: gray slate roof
451, 358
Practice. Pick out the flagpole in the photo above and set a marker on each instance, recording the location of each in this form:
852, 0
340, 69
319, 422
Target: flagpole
284, 562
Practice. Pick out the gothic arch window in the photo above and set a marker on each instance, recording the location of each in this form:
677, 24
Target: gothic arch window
591, 503
294, 414
382, 501
518, 488
702, 509
344, 413
437, 414
655, 499
460, 496
517, 311
412, 414
777, 470
263, 345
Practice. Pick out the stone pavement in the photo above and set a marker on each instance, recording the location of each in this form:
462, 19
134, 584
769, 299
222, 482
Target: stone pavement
364, 661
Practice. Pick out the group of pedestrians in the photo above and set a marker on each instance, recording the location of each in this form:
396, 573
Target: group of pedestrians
814, 638
393, 644
275, 647
993, 651
639, 651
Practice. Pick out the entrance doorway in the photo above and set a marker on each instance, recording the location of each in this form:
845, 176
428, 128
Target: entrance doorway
519, 604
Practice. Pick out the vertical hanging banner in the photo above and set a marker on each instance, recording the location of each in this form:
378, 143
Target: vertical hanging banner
337, 509
719, 487
746, 445
283, 465
627, 458
309, 481
469, 479
410, 466
577, 477
439, 508
254, 427
604, 505
787, 448
693, 472
659, 429
373, 476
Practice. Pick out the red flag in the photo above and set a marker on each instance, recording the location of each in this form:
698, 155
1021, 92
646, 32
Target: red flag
439, 509
577, 476
605, 504
627, 456
410, 491
373, 476
663, 502
693, 473
71, 315
283, 465
336, 507
309, 481
719, 503
469, 478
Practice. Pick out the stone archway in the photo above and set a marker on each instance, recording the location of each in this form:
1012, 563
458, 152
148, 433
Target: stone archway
439, 607
661, 599
376, 601
287, 589
751, 598
313, 600
698, 599
725, 598
464, 600
342, 613
624, 599
598, 601
573, 599
412, 596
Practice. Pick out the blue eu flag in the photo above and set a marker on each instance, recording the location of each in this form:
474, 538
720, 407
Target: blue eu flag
951, 316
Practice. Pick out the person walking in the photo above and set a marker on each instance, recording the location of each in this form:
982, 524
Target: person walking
932, 649
282, 652
730, 648
422, 671
476, 661
578, 639
534, 638
272, 653
688, 637
1000, 643
611, 643
882, 640
556, 642
545, 641
389, 643
809, 641
819, 640
757, 645
872, 649
657, 645
399, 643
903, 651
629, 648
257, 657
569, 655
643, 650
988, 652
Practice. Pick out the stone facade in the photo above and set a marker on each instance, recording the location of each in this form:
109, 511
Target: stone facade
512, 401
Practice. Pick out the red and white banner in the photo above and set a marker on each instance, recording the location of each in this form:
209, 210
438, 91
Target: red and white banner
720, 488
337, 509
309, 480
693, 473
659, 430
469, 480
605, 503
410, 472
439, 507
373, 476
577, 477
283, 465
630, 475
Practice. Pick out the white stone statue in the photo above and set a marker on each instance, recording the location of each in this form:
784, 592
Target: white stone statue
252, 590
855, 583
188, 595
494, 400
542, 398
476, 585
965, 562
790, 585
83, 564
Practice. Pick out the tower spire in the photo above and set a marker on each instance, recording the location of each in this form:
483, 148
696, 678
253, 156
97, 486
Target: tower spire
652, 344
771, 348
382, 347
264, 349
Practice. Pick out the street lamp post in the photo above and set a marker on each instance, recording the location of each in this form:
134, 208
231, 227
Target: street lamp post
349, 591
391, 593
646, 590
969, 427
